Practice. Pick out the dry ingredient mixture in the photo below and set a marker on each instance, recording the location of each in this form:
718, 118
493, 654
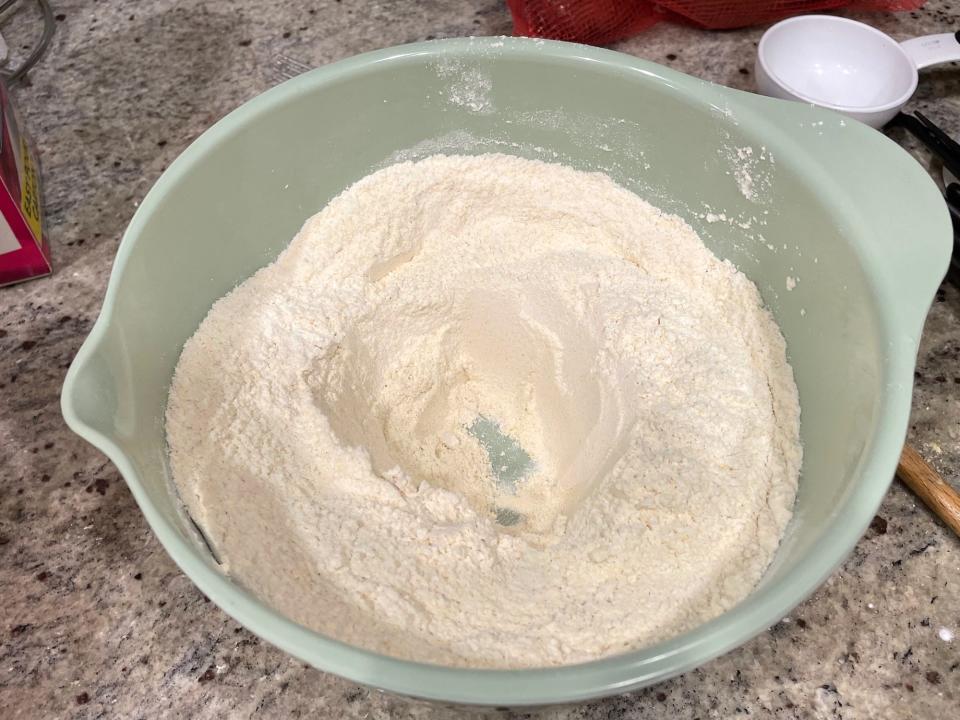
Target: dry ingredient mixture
492, 412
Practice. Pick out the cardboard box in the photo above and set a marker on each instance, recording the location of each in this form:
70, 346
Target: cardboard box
24, 251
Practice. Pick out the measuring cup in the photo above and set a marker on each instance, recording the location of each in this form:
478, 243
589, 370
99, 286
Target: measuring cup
846, 66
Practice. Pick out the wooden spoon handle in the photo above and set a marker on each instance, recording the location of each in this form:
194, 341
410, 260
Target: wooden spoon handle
926, 482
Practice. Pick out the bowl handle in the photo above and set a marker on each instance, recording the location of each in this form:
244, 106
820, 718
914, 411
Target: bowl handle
904, 223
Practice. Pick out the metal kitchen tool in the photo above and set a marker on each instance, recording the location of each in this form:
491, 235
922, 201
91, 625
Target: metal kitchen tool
39, 48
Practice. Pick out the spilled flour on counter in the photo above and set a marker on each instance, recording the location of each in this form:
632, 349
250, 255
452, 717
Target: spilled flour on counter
487, 411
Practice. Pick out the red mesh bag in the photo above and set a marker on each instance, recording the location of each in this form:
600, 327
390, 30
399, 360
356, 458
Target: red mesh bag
603, 21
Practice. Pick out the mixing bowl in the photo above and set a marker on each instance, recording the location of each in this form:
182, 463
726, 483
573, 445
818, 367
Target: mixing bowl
844, 234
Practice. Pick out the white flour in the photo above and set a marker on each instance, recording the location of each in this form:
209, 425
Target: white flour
332, 423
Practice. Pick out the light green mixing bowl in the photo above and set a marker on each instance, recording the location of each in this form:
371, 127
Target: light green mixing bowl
829, 203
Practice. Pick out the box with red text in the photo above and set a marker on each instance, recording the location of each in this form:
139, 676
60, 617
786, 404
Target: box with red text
24, 251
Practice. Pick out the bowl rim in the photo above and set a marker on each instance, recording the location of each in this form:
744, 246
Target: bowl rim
492, 687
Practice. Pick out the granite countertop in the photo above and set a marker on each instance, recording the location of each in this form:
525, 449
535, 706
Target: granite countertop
99, 623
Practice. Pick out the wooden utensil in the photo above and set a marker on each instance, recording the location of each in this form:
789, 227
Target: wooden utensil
926, 482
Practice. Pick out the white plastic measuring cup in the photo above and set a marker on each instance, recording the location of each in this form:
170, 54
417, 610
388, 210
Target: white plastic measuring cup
846, 66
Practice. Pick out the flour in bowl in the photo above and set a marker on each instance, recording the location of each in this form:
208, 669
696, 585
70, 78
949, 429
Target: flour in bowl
493, 412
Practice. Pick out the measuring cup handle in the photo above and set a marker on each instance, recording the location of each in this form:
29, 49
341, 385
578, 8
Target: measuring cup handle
933, 49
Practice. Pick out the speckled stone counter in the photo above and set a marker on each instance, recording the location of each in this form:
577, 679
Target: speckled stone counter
97, 622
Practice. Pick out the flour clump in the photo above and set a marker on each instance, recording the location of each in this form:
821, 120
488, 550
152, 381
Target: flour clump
493, 412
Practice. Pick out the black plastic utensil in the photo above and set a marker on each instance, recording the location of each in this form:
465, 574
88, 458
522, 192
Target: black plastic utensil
948, 150
935, 139
952, 196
